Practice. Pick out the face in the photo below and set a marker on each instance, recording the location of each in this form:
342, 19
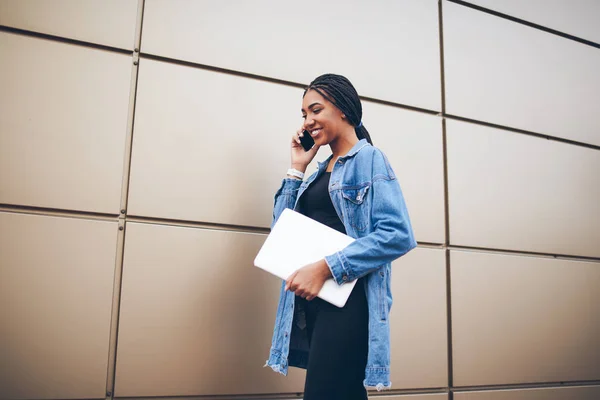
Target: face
322, 119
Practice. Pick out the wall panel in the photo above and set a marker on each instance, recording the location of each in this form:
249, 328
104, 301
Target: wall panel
516, 192
108, 22
575, 17
519, 319
299, 42
213, 147
196, 315
419, 329
63, 122
575, 393
506, 73
208, 146
56, 286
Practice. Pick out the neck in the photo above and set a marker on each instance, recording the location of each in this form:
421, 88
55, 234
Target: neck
343, 144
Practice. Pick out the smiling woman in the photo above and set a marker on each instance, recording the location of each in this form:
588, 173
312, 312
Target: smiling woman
354, 191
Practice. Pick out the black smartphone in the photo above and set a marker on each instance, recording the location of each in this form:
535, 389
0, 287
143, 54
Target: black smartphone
306, 140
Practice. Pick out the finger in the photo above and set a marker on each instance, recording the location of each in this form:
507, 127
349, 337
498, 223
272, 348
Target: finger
289, 281
296, 138
310, 294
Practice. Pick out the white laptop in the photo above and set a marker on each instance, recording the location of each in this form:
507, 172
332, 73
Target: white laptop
296, 241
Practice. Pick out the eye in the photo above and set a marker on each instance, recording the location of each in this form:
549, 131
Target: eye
318, 110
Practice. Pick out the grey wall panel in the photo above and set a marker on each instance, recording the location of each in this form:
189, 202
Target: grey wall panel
572, 393
214, 147
108, 22
63, 122
56, 286
208, 146
298, 43
510, 74
575, 17
518, 319
517, 192
418, 320
196, 315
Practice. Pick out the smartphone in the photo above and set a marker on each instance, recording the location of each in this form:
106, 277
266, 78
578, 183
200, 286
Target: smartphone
306, 140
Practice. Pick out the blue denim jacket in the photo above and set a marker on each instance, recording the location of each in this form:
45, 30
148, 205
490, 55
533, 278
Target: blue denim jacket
367, 197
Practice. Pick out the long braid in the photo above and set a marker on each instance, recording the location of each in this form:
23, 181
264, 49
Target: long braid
340, 92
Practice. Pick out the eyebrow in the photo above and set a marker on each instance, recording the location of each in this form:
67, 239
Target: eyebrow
311, 106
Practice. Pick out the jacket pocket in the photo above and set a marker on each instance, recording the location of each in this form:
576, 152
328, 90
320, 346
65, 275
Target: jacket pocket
356, 206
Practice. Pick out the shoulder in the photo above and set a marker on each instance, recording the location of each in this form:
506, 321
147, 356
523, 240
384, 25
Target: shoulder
375, 158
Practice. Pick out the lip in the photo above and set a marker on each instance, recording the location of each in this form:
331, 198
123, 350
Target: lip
315, 132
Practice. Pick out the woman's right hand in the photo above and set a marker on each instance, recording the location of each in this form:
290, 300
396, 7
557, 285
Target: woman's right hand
300, 157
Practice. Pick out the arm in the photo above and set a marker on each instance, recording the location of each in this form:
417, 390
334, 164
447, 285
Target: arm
285, 197
392, 234
288, 192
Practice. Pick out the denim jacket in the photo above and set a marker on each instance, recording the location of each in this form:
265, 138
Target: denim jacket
367, 197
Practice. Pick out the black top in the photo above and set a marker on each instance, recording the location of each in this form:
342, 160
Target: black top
315, 203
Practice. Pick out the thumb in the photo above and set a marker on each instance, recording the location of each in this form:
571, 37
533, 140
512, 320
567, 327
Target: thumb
289, 280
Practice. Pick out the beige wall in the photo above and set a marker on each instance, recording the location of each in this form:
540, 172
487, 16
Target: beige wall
141, 143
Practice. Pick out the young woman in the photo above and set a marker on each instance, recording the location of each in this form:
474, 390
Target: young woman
356, 192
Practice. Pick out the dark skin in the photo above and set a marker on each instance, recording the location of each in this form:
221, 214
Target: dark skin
327, 126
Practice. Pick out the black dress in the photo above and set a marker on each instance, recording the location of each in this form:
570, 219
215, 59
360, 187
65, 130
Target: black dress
337, 337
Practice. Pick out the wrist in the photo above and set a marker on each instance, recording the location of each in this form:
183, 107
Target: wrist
326, 272
299, 167
296, 174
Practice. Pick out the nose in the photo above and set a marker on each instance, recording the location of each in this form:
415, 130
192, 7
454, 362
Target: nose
308, 123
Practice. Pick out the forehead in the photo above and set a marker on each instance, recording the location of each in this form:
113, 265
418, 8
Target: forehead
311, 97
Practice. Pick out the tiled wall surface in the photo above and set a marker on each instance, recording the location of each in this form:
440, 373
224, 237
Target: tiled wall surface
141, 144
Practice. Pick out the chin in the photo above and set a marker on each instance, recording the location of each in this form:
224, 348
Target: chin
321, 140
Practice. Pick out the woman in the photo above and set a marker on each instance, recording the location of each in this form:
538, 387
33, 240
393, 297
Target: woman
356, 192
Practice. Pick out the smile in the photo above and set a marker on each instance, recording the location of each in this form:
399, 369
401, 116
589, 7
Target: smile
315, 132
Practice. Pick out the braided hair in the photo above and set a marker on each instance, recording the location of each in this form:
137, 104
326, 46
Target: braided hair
339, 91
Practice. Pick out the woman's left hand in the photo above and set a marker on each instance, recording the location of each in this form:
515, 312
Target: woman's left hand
308, 280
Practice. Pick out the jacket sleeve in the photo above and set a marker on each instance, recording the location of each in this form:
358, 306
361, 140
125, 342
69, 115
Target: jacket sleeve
391, 235
285, 197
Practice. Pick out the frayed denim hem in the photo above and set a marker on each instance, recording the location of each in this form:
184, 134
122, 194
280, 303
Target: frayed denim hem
380, 386
378, 378
276, 367
277, 362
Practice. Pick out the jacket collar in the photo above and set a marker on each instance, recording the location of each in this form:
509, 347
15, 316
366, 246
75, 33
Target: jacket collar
356, 148
353, 151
